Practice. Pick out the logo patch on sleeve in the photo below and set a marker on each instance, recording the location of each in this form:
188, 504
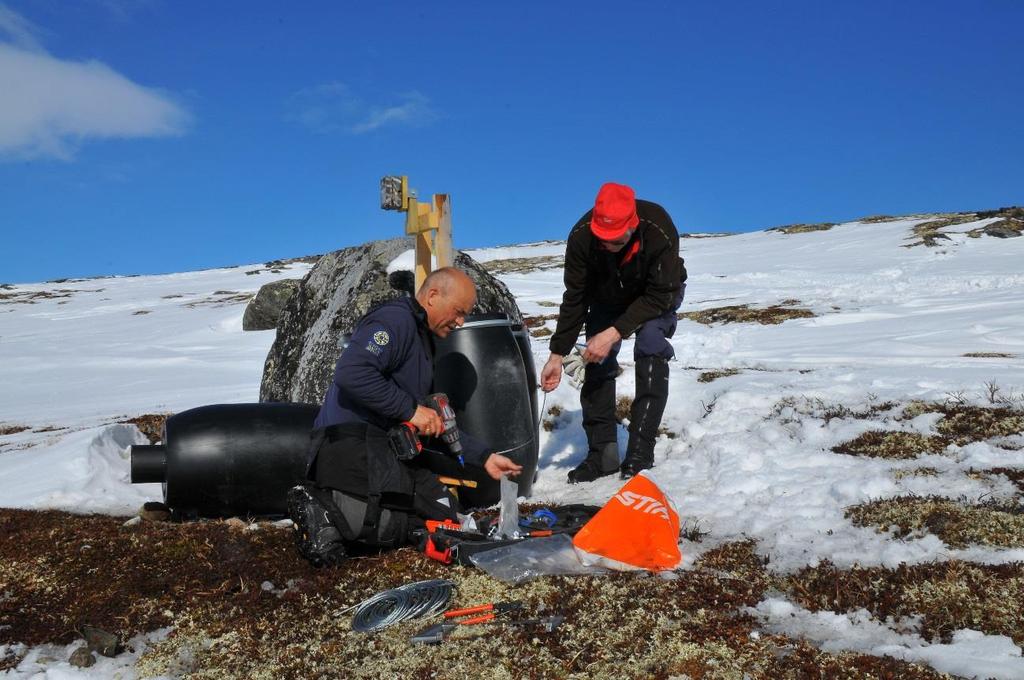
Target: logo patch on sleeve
381, 338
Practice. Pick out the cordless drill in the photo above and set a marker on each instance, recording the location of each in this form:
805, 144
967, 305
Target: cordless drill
450, 436
404, 442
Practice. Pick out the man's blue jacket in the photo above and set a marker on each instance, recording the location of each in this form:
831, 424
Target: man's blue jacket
385, 372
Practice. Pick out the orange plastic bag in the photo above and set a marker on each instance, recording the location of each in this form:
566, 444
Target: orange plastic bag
637, 529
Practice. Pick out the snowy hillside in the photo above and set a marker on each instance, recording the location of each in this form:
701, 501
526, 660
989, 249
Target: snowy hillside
878, 332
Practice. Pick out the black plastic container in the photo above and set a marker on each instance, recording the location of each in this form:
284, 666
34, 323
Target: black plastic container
522, 337
241, 459
228, 459
486, 373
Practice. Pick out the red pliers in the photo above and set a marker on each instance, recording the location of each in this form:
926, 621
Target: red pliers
487, 612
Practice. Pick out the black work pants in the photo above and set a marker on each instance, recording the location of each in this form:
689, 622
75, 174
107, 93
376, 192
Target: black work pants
597, 395
381, 498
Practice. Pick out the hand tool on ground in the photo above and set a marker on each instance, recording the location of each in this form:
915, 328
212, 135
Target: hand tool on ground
487, 612
439, 631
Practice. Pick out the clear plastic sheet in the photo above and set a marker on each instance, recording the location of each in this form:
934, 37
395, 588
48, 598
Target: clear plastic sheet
532, 558
508, 519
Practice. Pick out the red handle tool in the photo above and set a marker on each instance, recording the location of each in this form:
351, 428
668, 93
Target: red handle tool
488, 611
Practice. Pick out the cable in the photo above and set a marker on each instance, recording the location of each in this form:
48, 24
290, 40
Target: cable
411, 601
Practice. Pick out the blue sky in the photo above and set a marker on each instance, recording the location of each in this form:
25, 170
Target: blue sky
151, 136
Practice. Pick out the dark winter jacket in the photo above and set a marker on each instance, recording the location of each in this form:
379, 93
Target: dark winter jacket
385, 372
643, 279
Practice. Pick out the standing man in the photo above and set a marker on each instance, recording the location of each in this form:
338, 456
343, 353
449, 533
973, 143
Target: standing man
623, 275
365, 489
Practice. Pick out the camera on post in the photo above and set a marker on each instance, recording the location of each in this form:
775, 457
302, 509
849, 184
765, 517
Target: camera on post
392, 193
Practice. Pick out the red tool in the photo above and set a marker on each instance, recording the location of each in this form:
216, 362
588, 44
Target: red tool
487, 612
439, 631
438, 549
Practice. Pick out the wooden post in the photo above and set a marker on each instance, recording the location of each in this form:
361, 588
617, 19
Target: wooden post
443, 240
424, 243
430, 223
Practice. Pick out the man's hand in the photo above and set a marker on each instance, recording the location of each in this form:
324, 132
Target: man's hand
426, 421
498, 465
600, 345
552, 373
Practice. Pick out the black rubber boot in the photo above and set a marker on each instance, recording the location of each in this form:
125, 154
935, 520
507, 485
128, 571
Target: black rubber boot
645, 415
600, 462
316, 537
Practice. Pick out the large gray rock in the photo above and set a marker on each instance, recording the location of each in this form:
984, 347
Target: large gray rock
333, 296
264, 311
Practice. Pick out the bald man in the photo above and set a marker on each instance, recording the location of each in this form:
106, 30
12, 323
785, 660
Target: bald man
359, 491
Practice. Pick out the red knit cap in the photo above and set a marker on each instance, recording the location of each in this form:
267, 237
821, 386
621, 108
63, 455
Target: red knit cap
614, 212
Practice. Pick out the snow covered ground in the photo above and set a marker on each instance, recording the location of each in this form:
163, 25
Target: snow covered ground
752, 453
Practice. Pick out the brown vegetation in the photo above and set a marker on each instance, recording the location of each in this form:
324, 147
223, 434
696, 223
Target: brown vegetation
524, 265
711, 376
960, 424
894, 445
243, 604
151, 424
772, 315
949, 596
957, 523
803, 228
989, 355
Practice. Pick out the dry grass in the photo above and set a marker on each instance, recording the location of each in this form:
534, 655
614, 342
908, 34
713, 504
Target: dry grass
711, 376
960, 424
151, 424
1014, 475
803, 228
623, 406
989, 355
893, 445
958, 524
538, 321
948, 596
31, 298
789, 409
929, 233
12, 429
524, 265
965, 423
772, 315
204, 580
1008, 228
553, 419
222, 298
537, 326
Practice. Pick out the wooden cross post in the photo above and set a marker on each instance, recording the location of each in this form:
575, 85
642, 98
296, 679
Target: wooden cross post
430, 223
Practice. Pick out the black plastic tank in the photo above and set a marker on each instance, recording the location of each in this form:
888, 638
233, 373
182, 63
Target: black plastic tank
487, 376
228, 459
522, 336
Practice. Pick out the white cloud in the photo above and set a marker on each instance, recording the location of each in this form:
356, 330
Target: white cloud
50, 106
414, 110
18, 30
334, 107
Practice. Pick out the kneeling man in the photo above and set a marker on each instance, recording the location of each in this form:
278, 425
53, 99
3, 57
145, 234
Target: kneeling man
360, 491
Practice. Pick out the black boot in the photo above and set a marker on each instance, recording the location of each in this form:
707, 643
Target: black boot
316, 537
600, 462
645, 415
